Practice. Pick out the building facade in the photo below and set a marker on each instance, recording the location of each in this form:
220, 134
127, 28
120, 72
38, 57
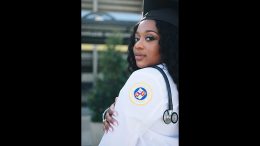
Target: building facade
99, 20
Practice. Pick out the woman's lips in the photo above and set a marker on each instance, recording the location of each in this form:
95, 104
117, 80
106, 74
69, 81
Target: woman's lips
139, 57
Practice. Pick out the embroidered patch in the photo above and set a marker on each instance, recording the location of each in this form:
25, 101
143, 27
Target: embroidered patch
140, 94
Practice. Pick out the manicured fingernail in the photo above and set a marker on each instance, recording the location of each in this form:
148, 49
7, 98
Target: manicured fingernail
115, 113
115, 123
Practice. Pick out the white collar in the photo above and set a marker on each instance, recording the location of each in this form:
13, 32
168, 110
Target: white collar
162, 66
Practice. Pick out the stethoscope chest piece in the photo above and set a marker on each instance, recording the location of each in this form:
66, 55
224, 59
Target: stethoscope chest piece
170, 116
174, 117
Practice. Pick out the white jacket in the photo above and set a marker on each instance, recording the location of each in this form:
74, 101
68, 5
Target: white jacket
140, 106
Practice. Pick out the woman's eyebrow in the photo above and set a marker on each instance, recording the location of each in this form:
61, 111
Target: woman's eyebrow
146, 32
152, 31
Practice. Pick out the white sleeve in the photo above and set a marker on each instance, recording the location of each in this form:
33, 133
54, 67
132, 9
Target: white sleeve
139, 105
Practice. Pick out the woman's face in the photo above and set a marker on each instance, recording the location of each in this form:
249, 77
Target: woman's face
146, 48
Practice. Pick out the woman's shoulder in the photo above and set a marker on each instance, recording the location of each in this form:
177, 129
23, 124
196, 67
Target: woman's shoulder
151, 75
146, 72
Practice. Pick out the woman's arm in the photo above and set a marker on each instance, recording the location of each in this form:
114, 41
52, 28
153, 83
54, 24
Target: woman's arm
108, 119
140, 103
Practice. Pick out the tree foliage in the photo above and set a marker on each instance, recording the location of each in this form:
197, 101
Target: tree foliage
113, 75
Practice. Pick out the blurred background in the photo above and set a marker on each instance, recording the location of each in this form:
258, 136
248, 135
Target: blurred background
105, 30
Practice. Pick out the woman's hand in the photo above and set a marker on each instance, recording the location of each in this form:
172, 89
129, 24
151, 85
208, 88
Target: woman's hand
109, 121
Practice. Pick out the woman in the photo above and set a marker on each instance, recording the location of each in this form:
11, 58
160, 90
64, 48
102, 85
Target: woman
143, 99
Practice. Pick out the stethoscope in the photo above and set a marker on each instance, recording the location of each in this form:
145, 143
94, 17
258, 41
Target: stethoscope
169, 115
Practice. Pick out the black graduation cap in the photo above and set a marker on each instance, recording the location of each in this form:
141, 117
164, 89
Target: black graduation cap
164, 10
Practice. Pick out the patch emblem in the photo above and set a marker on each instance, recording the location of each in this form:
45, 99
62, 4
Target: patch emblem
140, 94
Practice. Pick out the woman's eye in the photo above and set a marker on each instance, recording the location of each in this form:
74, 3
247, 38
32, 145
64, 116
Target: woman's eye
149, 38
136, 39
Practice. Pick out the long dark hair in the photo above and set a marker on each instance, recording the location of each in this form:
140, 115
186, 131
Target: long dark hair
169, 49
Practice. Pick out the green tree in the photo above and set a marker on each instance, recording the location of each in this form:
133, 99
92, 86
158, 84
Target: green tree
113, 75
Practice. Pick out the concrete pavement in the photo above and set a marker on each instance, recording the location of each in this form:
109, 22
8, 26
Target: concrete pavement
91, 133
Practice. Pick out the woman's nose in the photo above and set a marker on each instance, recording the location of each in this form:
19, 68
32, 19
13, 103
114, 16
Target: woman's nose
139, 44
